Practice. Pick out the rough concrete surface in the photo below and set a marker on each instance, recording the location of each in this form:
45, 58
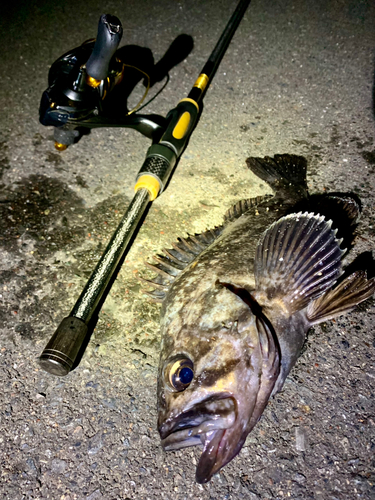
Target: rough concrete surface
297, 78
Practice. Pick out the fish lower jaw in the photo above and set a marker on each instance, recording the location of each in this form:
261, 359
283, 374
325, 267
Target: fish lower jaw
196, 436
176, 441
208, 458
193, 427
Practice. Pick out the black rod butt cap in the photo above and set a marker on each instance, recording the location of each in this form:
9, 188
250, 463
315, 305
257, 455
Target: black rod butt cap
61, 352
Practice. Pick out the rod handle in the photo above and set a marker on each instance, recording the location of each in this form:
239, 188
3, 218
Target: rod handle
61, 352
107, 41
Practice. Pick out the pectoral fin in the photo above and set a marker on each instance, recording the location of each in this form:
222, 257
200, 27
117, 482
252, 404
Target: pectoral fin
297, 259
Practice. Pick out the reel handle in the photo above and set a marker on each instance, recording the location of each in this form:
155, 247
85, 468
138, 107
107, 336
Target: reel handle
107, 41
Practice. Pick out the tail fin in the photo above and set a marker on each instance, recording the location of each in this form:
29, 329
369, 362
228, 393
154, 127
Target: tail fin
286, 174
352, 291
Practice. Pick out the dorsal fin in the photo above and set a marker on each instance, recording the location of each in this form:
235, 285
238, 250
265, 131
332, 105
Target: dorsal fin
174, 260
297, 259
244, 206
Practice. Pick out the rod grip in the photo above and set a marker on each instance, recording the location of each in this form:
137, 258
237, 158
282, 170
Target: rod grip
107, 41
61, 352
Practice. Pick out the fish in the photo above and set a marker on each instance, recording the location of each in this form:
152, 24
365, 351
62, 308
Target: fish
238, 301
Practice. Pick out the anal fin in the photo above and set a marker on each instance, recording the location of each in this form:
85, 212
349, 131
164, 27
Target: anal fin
353, 290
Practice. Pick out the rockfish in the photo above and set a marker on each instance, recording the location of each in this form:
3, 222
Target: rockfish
237, 302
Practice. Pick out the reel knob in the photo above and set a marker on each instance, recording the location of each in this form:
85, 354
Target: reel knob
107, 41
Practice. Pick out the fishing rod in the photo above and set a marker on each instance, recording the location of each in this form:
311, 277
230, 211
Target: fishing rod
66, 346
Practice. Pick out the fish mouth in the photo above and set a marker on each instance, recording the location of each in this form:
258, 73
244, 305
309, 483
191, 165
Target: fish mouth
205, 424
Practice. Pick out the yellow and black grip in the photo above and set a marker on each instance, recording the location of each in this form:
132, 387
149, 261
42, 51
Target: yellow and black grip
162, 157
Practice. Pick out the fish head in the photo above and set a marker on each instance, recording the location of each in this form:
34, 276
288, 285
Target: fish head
219, 363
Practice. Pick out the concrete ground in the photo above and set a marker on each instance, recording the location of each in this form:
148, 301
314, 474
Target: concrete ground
297, 78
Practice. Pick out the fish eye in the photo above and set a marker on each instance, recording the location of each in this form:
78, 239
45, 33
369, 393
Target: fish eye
180, 374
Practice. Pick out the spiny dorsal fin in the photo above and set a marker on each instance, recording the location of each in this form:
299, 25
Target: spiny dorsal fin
243, 206
353, 290
297, 259
174, 260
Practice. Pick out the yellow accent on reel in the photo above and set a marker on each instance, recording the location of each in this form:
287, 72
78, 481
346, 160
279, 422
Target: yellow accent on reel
181, 126
201, 82
93, 82
150, 183
60, 147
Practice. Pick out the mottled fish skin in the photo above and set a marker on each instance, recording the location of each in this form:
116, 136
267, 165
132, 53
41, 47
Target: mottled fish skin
234, 319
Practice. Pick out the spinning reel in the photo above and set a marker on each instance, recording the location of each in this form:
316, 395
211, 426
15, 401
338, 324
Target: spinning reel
89, 85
